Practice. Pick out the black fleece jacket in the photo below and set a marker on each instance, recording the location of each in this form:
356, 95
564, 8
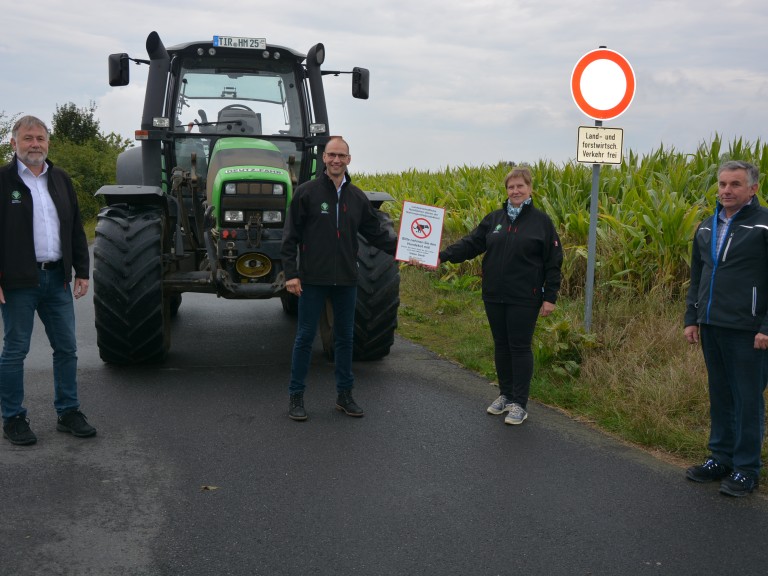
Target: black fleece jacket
18, 268
316, 248
731, 290
522, 259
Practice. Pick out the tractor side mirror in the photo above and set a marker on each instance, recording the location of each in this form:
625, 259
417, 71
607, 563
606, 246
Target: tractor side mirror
360, 81
118, 69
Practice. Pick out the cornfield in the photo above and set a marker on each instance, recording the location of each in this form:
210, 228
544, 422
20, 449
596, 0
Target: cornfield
648, 210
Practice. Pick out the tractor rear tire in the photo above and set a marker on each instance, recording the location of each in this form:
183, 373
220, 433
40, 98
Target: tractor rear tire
378, 298
132, 313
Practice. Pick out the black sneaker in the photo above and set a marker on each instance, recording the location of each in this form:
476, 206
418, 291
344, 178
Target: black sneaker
296, 409
710, 471
738, 484
75, 423
346, 404
17, 431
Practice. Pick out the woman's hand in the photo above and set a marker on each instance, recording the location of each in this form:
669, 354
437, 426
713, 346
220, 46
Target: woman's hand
546, 308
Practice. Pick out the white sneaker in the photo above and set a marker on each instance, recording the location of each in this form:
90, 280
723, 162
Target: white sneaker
517, 414
499, 406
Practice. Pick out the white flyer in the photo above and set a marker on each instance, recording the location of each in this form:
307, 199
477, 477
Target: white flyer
421, 228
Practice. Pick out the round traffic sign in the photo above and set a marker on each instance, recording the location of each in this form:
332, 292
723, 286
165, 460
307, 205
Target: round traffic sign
603, 84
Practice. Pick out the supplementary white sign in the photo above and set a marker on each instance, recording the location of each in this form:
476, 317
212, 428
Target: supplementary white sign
598, 145
421, 228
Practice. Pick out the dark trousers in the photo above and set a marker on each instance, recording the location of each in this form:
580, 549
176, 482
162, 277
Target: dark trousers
52, 301
737, 376
512, 328
311, 305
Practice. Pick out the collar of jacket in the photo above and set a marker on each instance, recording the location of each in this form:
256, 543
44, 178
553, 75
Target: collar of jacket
525, 208
14, 164
748, 207
347, 179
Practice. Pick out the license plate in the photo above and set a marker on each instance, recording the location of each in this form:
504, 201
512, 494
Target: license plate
239, 42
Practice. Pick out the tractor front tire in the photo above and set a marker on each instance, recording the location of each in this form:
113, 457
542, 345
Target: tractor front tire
132, 313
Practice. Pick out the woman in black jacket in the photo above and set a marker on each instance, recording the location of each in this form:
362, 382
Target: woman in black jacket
522, 257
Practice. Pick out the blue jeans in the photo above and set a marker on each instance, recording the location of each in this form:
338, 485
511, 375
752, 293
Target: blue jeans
311, 304
52, 300
512, 328
737, 378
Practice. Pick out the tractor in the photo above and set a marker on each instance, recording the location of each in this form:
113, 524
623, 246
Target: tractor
229, 128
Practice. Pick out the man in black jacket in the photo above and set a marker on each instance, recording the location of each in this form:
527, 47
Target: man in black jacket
41, 240
727, 308
320, 261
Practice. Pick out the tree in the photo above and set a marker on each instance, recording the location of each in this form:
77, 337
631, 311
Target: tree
73, 124
90, 157
6, 126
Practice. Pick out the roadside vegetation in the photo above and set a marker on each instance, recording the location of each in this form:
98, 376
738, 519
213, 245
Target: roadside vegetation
633, 374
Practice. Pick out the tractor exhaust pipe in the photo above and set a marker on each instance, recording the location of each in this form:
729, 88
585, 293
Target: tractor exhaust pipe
157, 78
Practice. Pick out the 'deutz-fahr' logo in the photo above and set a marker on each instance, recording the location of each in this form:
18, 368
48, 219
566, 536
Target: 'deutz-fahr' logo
324, 208
15, 197
497, 229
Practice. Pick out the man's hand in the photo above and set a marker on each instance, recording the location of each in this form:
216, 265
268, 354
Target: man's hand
2, 297
692, 334
81, 287
761, 341
293, 286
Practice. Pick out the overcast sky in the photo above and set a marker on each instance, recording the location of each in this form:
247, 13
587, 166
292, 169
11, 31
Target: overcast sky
453, 83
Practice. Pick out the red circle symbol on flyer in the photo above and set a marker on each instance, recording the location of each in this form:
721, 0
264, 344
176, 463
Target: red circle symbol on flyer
421, 228
603, 84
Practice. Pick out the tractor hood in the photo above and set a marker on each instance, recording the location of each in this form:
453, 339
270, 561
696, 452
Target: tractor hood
244, 159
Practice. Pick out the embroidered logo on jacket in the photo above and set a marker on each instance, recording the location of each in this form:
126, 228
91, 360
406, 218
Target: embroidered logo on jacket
15, 197
497, 229
324, 208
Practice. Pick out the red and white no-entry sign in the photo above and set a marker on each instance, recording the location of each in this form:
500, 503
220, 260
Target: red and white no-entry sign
603, 84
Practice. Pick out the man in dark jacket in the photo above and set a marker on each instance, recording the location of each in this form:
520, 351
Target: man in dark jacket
41, 240
727, 307
320, 261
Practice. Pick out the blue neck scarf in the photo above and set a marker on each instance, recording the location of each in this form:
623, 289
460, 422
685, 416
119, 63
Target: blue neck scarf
513, 212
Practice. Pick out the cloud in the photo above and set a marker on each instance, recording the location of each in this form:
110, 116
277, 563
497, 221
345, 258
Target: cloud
451, 83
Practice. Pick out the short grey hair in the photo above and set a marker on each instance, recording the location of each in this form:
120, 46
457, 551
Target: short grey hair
29, 122
753, 174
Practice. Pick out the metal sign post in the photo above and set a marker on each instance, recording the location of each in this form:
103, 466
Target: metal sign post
592, 243
602, 86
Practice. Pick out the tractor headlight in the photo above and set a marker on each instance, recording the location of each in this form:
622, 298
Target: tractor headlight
233, 216
272, 216
277, 189
230, 188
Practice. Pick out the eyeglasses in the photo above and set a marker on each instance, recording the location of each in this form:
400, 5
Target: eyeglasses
334, 155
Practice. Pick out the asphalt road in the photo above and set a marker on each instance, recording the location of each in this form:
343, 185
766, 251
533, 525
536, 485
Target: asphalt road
196, 470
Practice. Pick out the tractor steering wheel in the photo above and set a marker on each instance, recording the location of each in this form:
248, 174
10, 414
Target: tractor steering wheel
235, 107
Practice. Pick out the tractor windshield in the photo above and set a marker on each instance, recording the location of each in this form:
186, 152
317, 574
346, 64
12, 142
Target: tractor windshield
234, 101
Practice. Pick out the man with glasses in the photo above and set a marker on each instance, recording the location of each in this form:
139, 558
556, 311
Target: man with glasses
320, 261
727, 309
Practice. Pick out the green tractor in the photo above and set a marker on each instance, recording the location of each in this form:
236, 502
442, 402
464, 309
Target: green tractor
230, 127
